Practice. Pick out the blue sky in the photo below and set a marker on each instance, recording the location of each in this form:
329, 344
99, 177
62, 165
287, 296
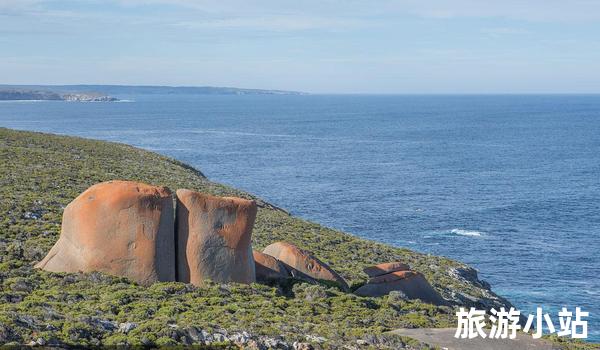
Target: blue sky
403, 46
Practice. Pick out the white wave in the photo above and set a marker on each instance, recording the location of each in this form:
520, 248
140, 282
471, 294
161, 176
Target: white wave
461, 232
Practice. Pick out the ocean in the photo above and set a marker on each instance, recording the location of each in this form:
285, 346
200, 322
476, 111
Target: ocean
509, 184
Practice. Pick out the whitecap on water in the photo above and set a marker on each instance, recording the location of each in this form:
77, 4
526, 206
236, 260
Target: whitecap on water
462, 232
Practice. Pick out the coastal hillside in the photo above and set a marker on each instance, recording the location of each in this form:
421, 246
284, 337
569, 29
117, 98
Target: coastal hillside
42, 173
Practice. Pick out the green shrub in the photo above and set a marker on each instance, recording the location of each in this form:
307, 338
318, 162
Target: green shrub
40, 174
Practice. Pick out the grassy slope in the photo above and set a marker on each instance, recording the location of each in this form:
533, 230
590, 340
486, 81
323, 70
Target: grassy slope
41, 173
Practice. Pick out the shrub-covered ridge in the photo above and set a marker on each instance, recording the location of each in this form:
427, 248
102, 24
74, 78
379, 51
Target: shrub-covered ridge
41, 173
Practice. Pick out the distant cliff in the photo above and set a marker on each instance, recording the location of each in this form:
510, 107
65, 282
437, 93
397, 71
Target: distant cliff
19, 94
116, 90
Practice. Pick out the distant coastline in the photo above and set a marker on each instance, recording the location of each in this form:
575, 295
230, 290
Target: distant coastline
112, 90
48, 95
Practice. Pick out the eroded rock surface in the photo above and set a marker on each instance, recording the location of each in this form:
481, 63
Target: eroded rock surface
301, 262
269, 269
385, 268
214, 238
411, 284
122, 228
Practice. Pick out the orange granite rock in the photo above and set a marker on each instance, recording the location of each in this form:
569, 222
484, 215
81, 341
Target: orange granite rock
122, 228
304, 262
269, 269
382, 269
412, 285
214, 238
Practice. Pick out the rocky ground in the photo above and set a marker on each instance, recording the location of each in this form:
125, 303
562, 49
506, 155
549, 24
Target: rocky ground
444, 338
40, 174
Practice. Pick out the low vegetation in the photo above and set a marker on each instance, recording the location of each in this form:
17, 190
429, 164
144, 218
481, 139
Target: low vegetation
40, 174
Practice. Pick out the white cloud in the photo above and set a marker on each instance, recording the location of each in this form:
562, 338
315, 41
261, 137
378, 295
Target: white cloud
307, 14
274, 23
504, 31
533, 10
13, 7
528, 10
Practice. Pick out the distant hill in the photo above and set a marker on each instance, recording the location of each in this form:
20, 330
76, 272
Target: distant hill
12, 94
134, 89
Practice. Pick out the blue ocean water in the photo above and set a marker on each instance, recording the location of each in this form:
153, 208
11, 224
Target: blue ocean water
508, 184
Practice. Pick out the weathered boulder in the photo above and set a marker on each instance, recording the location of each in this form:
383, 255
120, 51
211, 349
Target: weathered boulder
269, 269
382, 269
122, 228
410, 283
302, 263
214, 238
392, 276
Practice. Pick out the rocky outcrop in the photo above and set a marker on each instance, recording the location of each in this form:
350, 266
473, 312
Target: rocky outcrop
410, 284
127, 229
121, 228
385, 268
268, 269
214, 238
302, 264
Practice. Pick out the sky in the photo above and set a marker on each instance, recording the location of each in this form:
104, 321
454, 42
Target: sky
321, 46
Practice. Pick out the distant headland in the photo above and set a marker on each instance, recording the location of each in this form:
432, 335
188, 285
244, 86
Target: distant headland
48, 95
103, 93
